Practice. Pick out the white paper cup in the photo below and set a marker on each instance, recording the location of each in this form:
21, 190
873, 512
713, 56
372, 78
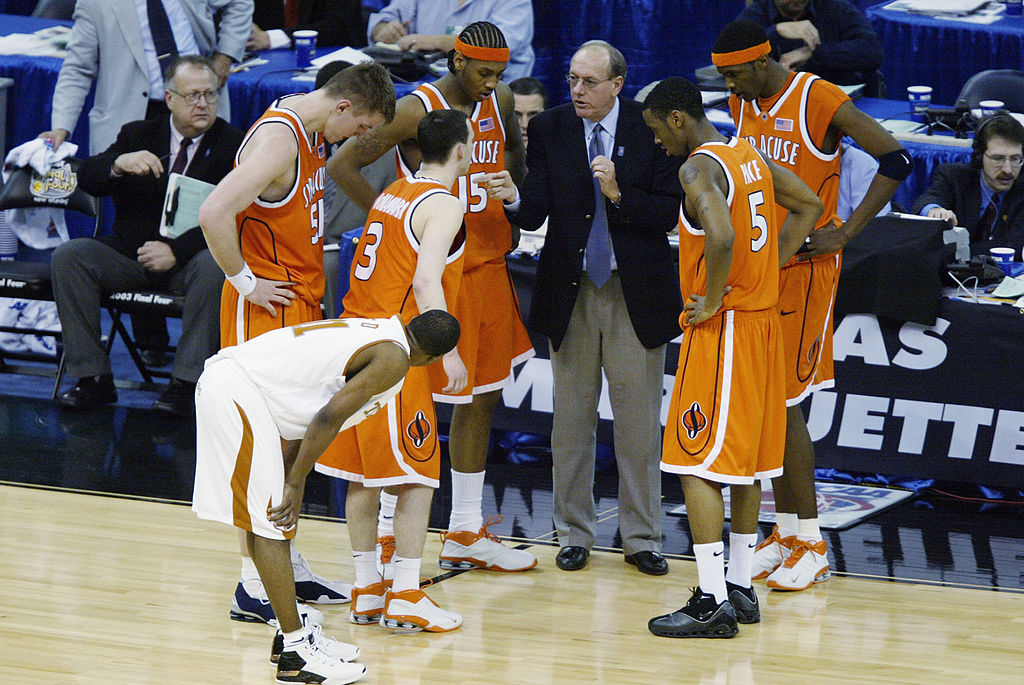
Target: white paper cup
1003, 258
990, 107
305, 47
920, 99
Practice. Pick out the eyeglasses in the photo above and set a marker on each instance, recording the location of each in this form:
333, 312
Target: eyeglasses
999, 160
588, 83
191, 98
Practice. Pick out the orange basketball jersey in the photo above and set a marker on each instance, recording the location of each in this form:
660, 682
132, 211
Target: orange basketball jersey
489, 234
382, 270
790, 128
754, 274
283, 240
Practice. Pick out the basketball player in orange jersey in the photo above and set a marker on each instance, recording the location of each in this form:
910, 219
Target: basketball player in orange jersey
409, 261
798, 120
264, 225
494, 339
727, 418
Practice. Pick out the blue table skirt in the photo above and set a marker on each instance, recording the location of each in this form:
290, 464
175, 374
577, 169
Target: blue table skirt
943, 54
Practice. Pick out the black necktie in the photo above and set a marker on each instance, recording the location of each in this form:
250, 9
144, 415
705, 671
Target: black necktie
987, 222
181, 161
160, 30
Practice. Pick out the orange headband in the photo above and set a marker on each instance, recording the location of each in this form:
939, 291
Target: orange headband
482, 54
731, 59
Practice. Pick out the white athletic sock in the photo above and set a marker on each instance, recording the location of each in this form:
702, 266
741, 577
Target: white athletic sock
407, 574
295, 638
808, 529
787, 524
467, 501
249, 572
711, 569
386, 516
741, 558
366, 568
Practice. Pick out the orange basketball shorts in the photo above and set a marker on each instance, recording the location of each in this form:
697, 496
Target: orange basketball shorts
807, 293
241, 320
396, 446
727, 415
494, 339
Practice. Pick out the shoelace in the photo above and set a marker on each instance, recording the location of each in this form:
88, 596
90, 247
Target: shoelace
799, 548
387, 548
484, 533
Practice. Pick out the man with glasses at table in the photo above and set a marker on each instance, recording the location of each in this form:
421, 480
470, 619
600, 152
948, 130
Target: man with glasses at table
986, 195
606, 296
191, 140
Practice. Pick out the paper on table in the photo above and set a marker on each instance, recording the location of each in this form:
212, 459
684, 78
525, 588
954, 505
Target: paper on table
1009, 288
181, 204
345, 54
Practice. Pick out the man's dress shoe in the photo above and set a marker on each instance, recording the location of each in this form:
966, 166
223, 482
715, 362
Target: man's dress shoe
89, 392
572, 558
651, 563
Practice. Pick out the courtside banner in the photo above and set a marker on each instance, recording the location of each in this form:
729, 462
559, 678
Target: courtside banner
944, 401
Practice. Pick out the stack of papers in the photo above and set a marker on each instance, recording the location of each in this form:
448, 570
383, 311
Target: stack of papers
48, 42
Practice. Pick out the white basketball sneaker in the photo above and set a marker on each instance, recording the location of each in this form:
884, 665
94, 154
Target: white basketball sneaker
770, 554
335, 648
307, 662
807, 564
309, 587
412, 610
465, 550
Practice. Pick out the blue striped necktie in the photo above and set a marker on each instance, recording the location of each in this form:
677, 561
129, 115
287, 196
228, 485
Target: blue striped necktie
599, 248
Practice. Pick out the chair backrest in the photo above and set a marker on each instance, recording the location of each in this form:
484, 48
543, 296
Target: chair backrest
1006, 85
58, 188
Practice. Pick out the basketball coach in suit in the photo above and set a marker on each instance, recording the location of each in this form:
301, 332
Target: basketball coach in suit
193, 141
596, 173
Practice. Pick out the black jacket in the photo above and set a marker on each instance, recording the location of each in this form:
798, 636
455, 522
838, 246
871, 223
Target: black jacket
559, 185
957, 187
138, 200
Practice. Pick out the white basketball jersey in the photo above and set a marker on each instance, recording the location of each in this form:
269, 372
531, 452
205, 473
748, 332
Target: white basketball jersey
299, 368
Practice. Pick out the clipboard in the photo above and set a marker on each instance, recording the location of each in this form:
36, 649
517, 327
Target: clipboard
180, 212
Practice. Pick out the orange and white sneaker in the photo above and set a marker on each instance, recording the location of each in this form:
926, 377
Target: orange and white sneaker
464, 550
385, 549
412, 610
367, 604
807, 564
770, 554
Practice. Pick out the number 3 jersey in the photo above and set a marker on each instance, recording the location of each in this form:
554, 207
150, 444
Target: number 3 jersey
283, 240
754, 273
380, 282
488, 232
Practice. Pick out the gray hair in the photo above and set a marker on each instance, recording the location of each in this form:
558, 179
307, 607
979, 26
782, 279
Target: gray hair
616, 62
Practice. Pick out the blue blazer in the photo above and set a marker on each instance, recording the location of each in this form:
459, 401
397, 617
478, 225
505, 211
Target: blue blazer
559, 186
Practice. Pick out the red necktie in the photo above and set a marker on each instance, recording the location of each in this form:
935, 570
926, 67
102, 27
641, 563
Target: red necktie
181, 161
291, 13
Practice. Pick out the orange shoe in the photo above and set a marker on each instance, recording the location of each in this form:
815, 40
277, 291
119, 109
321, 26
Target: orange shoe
807, 564
464, 550
770, 554
367, 604
412, 610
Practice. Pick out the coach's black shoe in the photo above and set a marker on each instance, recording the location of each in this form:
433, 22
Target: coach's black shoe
89, 392
744, 601
178, 399
701, 617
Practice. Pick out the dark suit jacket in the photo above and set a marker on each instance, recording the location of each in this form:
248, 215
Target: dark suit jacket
559, 185
138, 200
957, 187
339, 22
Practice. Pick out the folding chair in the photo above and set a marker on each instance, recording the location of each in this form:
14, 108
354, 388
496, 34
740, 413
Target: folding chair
147, 302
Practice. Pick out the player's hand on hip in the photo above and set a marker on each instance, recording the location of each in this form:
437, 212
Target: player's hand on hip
456, 371
268, 293
825, 240
500, 186
286, 514
699, 308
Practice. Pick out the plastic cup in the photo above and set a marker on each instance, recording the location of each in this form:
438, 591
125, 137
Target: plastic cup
920, 99
1003, 258
990, 107
305, 47
1013, 8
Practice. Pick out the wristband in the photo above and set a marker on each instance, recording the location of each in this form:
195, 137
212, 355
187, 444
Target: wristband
244, 281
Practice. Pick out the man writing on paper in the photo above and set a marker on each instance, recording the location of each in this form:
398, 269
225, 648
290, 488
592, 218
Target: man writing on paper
191, 141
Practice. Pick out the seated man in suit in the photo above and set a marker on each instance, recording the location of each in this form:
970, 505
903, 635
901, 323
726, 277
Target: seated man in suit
830, 38
191, 141
986, 195
337, 23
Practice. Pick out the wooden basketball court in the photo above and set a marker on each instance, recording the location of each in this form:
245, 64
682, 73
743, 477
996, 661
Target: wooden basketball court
98, 589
